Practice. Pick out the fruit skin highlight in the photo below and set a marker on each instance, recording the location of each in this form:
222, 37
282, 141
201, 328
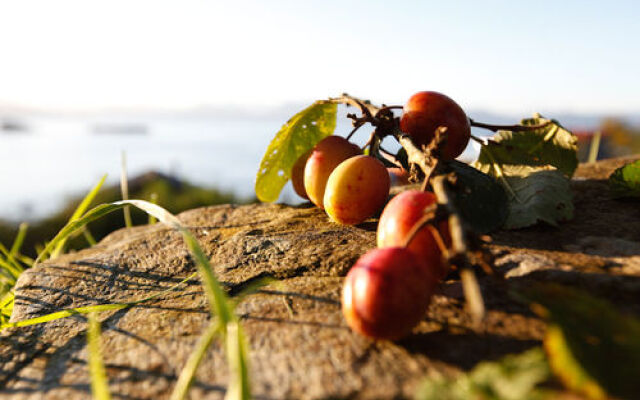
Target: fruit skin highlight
386, 293
397, 220
324, 157
297, 175
356, 190
424, 112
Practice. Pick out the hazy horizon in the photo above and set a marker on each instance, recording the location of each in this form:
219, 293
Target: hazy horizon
281, 112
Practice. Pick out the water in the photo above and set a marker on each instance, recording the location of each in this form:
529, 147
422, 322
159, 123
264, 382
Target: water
61, 157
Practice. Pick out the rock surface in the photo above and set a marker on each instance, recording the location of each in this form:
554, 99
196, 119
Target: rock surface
300, 345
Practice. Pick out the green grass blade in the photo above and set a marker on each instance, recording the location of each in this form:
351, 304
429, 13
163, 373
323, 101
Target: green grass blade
12, 255
187, 374
7, 300
215, 294
86, 202
154, 200
82, 207
102, 210
218, 302
14, 270
64, 314
7, 278
253, 287
39, 248
99, 382
4, 250
237, 360
6, 307
88, 309
88, 236
124, 189
17, 243
74, 225
28, 261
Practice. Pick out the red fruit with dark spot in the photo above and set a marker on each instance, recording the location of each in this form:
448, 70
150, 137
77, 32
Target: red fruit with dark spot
426, 111
386, 293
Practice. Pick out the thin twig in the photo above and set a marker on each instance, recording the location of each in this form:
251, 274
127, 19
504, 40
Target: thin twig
514, 128
366, 107
414, 155
388, 108
459, 249
369, 141
479, 140
356, 126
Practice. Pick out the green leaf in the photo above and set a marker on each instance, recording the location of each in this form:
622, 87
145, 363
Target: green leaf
482, 201
592, 347
536, 194
99, 383
296, 137
514, 377
551, 144
625, 181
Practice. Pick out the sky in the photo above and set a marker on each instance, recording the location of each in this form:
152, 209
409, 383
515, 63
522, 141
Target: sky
501, 56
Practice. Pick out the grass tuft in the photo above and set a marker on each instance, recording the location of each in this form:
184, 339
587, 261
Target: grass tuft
220, 307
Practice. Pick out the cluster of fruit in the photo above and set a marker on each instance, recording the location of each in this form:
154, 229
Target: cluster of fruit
387, 292
337, 177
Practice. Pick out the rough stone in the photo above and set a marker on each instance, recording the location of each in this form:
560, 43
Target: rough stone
300, 345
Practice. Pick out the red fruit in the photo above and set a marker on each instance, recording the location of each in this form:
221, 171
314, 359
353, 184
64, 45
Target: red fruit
325, 156
386, 293
356, 190
426, 111
397, 221
297, 175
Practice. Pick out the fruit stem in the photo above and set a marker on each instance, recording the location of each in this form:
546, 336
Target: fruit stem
437, 237
356, 126
459, 250
513, 128
385, 108
479, 140
472, 291
366, 107
414, 154
426, 219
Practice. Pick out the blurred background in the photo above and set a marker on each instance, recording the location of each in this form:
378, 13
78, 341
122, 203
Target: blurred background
193, 91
